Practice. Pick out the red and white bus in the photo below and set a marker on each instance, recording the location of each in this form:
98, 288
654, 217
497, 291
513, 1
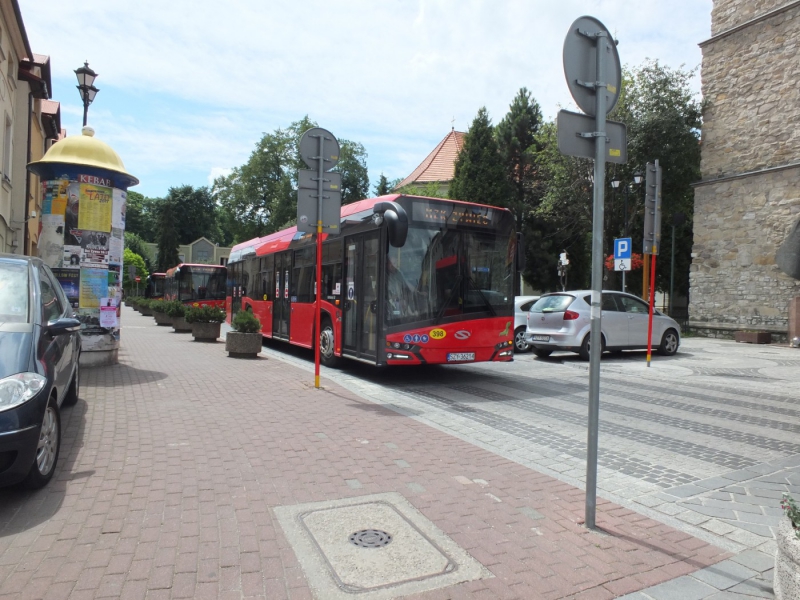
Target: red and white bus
196, 285
155, 286
410, 280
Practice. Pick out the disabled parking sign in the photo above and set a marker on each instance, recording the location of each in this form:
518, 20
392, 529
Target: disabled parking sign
622, 254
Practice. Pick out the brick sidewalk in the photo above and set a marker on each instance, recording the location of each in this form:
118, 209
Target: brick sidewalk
173, 459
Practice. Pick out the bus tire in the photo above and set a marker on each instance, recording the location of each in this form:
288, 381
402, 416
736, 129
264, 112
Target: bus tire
327, 344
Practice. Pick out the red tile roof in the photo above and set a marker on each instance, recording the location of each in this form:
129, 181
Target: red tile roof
440, 164
50, 107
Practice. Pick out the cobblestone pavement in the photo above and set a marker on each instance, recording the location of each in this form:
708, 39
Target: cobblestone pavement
706, 441
173, 460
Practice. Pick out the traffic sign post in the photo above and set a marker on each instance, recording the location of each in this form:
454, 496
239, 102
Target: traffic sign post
594, 77
652, 237
319, 149
622, 257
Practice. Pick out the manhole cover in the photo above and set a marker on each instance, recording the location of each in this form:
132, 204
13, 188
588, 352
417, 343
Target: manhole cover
370, 538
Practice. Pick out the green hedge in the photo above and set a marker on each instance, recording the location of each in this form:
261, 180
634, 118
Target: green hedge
246, 322
205, 314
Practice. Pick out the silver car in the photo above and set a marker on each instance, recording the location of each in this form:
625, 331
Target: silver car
562, 321
521, 306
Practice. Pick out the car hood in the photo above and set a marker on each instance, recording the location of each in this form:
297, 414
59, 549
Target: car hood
15, 348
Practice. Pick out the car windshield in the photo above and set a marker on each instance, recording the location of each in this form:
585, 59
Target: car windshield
550, 304
14, 292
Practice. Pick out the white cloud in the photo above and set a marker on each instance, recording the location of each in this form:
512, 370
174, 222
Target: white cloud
188, 83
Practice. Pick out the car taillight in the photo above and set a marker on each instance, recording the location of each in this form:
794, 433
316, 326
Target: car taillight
570, 315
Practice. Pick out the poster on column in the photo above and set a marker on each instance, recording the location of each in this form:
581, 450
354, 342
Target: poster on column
51, 240
72, 257
118, 208
96, 205
94, 285
70, 280
72, 236
94, 248
108, 313
54, 196
116, 244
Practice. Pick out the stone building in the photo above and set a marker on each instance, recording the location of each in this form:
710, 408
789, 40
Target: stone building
200, 251
749, 196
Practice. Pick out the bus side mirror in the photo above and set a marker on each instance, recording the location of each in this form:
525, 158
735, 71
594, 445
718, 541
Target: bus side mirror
520, 251
396, 221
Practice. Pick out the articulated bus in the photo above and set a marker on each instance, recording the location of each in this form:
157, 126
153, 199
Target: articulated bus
410, 280
155, 286
196, 285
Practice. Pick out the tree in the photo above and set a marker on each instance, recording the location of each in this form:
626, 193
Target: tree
167, 236
382, 189
260, 196
130, 258
516, 141
353, 167
197, 212
137, 245
140, 216
479, 174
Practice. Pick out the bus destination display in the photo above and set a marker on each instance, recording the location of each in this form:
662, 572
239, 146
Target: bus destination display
427, 212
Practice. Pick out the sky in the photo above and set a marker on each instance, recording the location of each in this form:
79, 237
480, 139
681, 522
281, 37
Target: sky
187, 87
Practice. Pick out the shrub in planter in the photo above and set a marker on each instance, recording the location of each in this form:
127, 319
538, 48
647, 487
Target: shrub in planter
144, 307
159, 308
176, 310
206, 322
786, 579
245, 339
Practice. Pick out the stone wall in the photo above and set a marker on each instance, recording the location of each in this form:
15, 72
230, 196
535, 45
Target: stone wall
751, 126
738, 226
750, 85
730, 14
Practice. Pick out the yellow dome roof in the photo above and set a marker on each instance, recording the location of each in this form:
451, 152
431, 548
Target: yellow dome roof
84, 150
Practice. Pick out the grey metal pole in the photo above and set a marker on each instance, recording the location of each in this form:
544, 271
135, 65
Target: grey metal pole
597, 281
626, 228
672, 271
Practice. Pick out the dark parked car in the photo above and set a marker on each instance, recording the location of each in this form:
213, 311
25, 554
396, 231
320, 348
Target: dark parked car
40, 346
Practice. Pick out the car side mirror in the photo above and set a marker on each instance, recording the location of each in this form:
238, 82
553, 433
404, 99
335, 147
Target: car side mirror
63, 325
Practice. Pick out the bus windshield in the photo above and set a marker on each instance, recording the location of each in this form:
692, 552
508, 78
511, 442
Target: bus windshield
441, 273
202, 283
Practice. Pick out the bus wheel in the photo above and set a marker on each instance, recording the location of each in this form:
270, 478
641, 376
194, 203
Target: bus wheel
327, 343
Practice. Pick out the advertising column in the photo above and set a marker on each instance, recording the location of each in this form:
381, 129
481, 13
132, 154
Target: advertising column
82, 236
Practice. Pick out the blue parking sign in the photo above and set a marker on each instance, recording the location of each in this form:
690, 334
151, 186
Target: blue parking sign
622, 248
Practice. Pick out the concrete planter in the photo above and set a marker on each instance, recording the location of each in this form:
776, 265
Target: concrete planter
145, 311
180, 325
786, 582
206, 332
243, 345
753, 337
162, 319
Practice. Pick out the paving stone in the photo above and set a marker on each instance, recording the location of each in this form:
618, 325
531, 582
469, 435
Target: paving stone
685, 491
753, 559
711, 511
724, 575
760, 530
713, 483
682, 588
753, 588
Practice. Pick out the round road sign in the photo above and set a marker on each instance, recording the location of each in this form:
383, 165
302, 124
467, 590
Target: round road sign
580, 64
309, 148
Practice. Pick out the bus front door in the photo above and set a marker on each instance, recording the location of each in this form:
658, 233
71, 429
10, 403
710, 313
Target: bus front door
281, 307
360, 319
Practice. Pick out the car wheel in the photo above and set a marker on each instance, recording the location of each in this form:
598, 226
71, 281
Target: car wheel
327, 344
74, 388
542, 353
669, 343
520, 345
586, 347
44, 463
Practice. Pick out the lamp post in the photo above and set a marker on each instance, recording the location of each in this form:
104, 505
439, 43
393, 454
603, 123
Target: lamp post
85, 86
677, 220
637, 179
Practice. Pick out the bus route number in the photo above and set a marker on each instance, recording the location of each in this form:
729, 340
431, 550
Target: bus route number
437, 334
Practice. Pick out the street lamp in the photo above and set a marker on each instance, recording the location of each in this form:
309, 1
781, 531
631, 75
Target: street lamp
615, 183
86, 78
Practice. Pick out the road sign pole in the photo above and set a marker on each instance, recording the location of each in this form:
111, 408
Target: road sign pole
596, 349
318, 311
652, 304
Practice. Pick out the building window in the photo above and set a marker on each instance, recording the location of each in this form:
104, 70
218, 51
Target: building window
202, 256
223, 261
7, 148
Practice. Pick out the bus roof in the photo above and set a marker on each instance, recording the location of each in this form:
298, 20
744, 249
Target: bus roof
171, 272
280, 240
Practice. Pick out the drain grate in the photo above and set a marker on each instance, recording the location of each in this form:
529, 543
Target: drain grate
370, 538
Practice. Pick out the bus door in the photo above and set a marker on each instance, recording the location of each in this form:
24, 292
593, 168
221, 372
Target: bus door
360, 315
235, 278
281, 307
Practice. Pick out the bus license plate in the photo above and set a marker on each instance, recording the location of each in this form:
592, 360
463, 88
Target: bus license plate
460, 356
540, 338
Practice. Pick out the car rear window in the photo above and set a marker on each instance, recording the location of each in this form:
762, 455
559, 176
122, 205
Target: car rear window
551, 304
14, 292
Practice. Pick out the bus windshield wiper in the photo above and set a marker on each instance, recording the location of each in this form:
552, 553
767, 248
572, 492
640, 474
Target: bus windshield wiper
471, 281
453, 289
